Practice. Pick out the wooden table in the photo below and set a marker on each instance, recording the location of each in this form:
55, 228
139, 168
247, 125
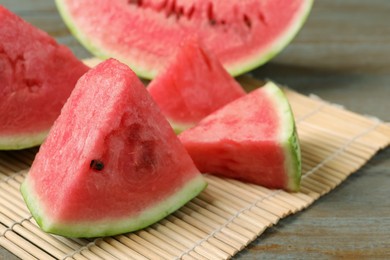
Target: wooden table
343, 56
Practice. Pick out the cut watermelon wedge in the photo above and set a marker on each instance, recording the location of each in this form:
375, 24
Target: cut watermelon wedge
144, 34
251, 139
37, 75
111, 163
193, 85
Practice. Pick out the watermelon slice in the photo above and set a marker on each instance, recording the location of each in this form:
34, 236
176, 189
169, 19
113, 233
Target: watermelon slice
37, 75
193, 85
144, 34
252, 139
111, 163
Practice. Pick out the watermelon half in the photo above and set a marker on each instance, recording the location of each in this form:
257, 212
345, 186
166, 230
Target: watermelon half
111, 163
144, 34
37, 75
251, 139
193, 85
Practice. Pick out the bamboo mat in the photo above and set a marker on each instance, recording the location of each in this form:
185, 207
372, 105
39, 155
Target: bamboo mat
224, 218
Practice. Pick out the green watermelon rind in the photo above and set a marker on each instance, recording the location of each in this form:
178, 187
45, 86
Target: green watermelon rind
288, 136
94, 49
22, 141
234, 70
294, 162
178, 127
111, 227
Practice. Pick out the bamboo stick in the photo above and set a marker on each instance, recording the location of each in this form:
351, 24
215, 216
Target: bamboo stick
223, 236
19, 252
218, 246
227, 215
122, 247
148, 236
161, 251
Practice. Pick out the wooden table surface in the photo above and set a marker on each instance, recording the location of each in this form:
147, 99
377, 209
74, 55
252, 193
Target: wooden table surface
342, 55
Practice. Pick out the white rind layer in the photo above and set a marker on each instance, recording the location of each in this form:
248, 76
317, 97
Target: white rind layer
107, 227
22, 141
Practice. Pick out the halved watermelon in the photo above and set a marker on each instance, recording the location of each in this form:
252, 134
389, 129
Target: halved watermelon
193, 85
37, 75
144, 34
111, 163
252, 139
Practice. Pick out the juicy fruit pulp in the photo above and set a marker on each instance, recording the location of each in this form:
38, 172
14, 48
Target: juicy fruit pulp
252, 139
144, 34
111, 163
193, 85
37, 75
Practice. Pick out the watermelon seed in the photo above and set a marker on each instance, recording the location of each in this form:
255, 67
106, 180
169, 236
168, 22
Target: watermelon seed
179, 12
96, 165
169, 7
190, 12
135, 2
247, 21
172, 9
210, 14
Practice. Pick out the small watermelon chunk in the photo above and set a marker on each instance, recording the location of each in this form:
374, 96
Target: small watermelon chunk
193, 85
251, 139
37, 75
111, 163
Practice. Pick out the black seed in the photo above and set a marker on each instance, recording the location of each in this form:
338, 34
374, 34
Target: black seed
96, 165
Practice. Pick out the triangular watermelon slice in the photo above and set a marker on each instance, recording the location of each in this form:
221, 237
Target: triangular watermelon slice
252, 139
193, 85
37, 75
111, 163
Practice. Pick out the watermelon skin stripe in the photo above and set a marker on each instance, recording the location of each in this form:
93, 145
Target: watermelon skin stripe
115, 226
148, 64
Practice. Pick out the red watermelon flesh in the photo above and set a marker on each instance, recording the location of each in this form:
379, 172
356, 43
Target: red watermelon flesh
251, 139
144, 34
37, 75
111, 163
193, 85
